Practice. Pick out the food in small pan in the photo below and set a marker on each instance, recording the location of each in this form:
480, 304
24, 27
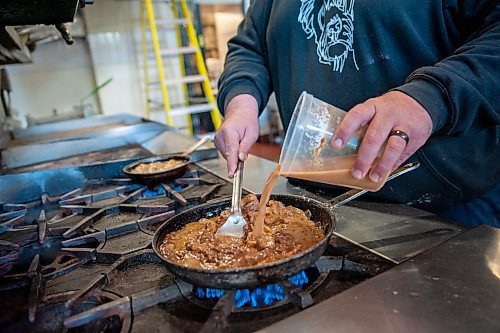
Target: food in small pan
288, 231
158, 166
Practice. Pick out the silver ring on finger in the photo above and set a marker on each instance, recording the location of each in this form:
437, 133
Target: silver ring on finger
400, 134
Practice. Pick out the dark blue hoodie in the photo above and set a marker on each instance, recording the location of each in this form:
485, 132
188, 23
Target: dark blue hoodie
445, 54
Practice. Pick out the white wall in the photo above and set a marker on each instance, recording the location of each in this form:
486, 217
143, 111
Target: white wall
58, 78
110, 31
226, 25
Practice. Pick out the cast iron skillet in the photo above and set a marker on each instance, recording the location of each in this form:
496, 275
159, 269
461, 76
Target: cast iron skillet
250, 277
161, 176
247, 277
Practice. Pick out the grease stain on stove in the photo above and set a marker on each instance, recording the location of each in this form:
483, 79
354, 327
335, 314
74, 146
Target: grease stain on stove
66, 222
75, 280
125, 244
114, 219
139, 277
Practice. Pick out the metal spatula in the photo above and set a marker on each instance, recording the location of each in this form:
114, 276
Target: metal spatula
235, 222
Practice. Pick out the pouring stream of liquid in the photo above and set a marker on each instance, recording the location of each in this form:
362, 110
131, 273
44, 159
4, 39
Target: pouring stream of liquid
258, 230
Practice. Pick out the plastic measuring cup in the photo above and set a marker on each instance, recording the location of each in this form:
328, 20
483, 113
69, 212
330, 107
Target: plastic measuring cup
307, 151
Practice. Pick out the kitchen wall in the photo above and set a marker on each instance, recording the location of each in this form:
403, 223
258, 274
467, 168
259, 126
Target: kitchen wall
57, 80
112, 27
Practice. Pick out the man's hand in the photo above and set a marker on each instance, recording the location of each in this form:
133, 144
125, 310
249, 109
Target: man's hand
239, 131
391, 111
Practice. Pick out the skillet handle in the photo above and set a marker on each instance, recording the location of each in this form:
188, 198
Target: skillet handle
197, 145
354, 193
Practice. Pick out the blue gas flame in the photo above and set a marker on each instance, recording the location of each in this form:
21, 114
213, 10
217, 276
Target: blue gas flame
177, 188
151, 193
256, 297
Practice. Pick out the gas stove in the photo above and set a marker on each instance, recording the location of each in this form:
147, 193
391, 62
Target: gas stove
78, 258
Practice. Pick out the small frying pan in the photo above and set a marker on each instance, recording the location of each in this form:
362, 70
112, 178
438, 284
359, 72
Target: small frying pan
255, 276
154, 178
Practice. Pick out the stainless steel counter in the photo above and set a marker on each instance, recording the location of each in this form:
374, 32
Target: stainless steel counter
56, 129
55, 141
35, 153
454, 287
170, 142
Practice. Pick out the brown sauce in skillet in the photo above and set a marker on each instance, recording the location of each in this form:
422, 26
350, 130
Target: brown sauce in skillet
287, 231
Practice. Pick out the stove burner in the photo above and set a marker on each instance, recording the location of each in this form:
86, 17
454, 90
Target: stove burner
175, 195
256, 297
297, 290
114, 230
155, 192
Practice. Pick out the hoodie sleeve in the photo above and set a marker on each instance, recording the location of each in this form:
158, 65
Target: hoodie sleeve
461, 91
245, 68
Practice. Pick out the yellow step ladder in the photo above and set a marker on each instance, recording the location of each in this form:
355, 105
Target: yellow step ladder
167, 79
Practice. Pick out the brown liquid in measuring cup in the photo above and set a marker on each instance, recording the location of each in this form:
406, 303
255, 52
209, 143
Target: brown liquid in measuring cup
335, 171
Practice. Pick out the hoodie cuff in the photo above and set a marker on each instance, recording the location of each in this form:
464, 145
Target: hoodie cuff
239, 89
431, 97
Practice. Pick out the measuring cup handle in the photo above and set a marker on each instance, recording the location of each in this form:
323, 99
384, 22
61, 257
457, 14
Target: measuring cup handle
355, 193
